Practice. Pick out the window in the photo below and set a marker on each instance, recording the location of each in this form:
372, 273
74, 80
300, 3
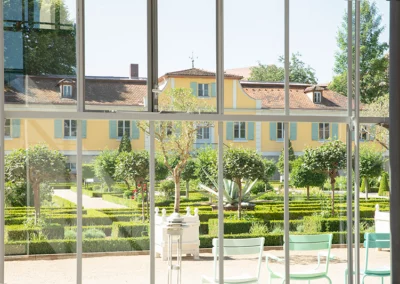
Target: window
203, 90
69, 128
365, 133
280, 130
71, 167
67, 91
239, 130
7, 128
124, 127
323, 133
317, 97
203, 133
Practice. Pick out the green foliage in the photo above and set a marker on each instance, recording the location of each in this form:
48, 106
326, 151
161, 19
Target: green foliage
70, 235
261, 187
104, 167
303, 176
384, 185
312, 224
299, 72
125, 144
374, 76
190, 170
241, 163
371, 165
281, 160
258, 228
207, 165
162, 171
93, 234
129, 229
167, 187
230, 226
88, 171
362, 187
269, 170
132, 166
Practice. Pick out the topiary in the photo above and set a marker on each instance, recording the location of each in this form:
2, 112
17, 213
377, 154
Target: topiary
384, 184
167, 187
362, 188
93, 234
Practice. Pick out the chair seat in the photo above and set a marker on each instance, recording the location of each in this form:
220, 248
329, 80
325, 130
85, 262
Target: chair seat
308, 274
241, 279
381, 271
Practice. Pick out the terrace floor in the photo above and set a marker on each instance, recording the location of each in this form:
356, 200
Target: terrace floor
135, 269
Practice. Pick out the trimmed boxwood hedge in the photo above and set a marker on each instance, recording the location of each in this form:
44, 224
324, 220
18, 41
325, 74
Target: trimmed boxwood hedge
230, 226
128, 229
20, 232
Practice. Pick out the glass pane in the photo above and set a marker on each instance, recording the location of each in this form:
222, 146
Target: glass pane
116, 202
40, 56
116, 55
40, 204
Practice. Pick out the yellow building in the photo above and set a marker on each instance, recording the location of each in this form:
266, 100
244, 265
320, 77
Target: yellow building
130, 94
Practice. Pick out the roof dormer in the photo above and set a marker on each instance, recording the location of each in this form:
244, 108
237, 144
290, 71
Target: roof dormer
314, 93
66, 88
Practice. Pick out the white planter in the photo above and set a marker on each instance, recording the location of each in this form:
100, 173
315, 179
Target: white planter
382, 221
190, 235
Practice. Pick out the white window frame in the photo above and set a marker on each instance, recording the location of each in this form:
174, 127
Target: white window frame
69, 132
203, 131
365, 131
72, 167
124, 128
241, 130
317, 97
282, 131
203, 90
7, 128
326, 127
66, 91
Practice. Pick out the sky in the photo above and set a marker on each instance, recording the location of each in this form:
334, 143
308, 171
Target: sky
116, 34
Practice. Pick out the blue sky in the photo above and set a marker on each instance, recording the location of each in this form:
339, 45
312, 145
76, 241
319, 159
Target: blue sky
254, 31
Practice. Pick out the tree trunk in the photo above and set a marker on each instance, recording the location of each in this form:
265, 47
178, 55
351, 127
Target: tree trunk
308, 192
142, 205
333, 196
366, 187
239, 199
36, 200
177, 193
187, 189
127, 185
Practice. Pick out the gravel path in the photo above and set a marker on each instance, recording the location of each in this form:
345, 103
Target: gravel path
88, 202
135, 269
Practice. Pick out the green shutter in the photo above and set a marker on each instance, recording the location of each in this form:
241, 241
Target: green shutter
193, 86
293, 131
213, 90
112, 128
335, 131
135, 131
84, 129
58, 128
15, 128
314, 131
229, 130
250, 130
272, 131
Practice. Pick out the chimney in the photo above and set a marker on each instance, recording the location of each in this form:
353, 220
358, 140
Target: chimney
134, 71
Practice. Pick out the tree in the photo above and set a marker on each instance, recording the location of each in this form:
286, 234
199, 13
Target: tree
48, 48
104, 167
384, 184
281, 160
328, 159
371, 165
162, 171
242, 164
87, 172
303, 176
125, 144
207, 165
189, 173
299, 72
37, 165
176, 138
374, 76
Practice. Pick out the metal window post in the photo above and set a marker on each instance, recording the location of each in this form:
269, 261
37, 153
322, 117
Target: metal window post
394, 138
2, 121
152, 206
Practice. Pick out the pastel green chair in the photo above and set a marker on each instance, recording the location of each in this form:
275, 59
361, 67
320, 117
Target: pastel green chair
237, 247
322, 243
371, 241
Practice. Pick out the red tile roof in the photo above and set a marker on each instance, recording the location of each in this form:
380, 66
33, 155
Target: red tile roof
195, 72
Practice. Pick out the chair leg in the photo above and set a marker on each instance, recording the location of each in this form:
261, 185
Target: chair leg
382, 280
363, 279
345, 276
329, 280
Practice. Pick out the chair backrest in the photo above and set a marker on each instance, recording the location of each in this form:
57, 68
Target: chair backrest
375, 240
310, 242
236, 247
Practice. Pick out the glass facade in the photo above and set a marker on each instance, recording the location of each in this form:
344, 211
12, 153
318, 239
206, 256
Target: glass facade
98, 164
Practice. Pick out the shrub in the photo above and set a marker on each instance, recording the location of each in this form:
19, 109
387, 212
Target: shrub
260, 187
167, 187
258, 228
128, 194
129, 229
69, 235
230, 226
384, 184
312, 224
93, 234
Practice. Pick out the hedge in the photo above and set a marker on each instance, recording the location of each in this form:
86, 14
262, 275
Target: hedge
230, 226
129, 229
121, 201
62, 202
106, 228
20, 232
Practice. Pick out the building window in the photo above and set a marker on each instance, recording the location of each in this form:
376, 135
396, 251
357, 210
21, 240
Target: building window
364, 133
67, 91
317, 97
239, 130
203, 133
7, 128
323, 133
203, 90
71, 167
280, 130
124, 127
69, 128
